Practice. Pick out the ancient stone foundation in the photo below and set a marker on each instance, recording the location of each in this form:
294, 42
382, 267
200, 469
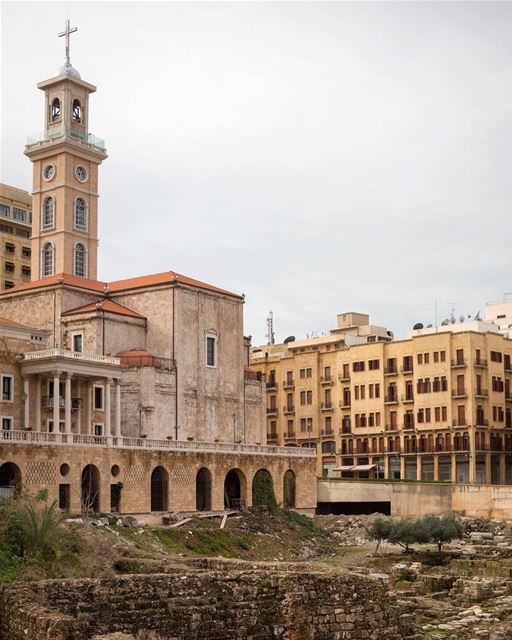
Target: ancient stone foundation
256, 602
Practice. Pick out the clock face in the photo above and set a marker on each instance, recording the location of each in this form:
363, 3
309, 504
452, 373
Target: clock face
49, 172
81, 173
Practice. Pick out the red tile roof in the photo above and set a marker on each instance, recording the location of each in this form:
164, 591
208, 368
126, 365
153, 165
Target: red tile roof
105, 305
12, 323
117, 286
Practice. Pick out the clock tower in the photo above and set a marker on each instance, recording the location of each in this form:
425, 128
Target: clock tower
65, 160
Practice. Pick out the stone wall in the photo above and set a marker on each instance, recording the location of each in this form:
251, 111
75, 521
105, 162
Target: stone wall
261, 602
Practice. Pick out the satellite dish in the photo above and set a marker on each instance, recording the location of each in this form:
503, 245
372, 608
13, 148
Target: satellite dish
418, 325
289, 339
445, 322
390, 334
461, 319
429, 326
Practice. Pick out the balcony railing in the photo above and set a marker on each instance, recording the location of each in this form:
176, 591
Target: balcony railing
459, 423
459, 393
288, 410
345, 428
74, 439
481, 393
344, 377
272, 411
391, 398
391, 427
407, 368
408, 397
289, 435
481, 422
326, 380
327, 432
52, 134
327, 406
47, 402
288, 384
460, 362
480, 363
391, 371
408, 425
72, 355
345, 404
271, 384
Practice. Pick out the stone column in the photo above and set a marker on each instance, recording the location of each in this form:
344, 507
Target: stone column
26, 397
386, 467
436, 468
472, 456
88, 409
488, 472
117, 424
454, 468
418, 467
107, 406
56, 403
38, 403
79, 409
67, 404
402, 467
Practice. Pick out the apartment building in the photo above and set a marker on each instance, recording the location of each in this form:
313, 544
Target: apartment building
435, 406
15, 232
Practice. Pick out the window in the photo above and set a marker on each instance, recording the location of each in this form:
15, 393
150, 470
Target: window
358, 366
22, 233
78, 342
6, 423
80, 214
496, 356
98, 429
26, 252
7, 388
9, 247
420, 358
436, 356
211, 351
19, 214
5, 211
80, 260
303, 397
77, 111
302, 374
47, 259
377, 390
8, 284
373, 365
442, 356
308, 373
9, 267
48, 213
309, 397
55, 110
6, 228
25, 271
98, 398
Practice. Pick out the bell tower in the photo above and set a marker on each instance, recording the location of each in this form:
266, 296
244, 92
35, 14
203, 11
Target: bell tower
65, 161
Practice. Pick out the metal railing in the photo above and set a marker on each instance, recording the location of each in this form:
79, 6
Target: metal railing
51, 134
124, 442
72, 355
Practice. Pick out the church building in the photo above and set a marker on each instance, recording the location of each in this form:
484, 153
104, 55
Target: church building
130, 395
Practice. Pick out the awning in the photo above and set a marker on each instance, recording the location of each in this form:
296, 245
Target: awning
364, 467
346, 467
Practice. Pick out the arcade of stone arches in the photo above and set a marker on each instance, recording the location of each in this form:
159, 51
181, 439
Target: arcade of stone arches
160, 489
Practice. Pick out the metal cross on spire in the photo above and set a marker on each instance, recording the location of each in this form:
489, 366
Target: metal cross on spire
67, 31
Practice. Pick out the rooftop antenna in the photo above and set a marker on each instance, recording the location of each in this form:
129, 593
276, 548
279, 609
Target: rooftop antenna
271, 339
452, 314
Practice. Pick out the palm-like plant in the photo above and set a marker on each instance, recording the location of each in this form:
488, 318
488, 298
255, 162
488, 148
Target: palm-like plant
40, 530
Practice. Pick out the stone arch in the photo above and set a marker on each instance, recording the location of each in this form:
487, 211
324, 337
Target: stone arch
10, 480
159, 489
289, 489
263, 489
90, 497
235, 489
203, 490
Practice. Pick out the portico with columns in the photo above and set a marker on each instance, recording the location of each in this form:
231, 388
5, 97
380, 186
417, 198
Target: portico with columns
65, 386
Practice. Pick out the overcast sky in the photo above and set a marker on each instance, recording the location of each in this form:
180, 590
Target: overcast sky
318, 157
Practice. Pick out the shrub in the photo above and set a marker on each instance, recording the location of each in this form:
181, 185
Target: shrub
40, 529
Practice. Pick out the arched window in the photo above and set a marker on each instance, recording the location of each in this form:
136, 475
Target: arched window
77, 111
48, 213
80, 214
55, 111
80, 260
47, 260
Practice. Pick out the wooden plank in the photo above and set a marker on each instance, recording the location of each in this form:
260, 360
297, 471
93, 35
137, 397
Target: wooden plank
178, 524
223, 522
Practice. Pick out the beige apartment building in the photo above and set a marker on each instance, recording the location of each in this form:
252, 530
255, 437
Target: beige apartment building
435, 406
15, 230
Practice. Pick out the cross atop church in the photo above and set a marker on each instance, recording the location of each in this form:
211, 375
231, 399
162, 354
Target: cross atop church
67, 32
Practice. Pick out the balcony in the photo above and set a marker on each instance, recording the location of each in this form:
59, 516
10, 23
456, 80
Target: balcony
47, 403
271, 437
408, 398
391, 428
326, 380
271, 384
408, 425
289, 435
391, 398
342, 377
288, 384
289, 410
66, 131
272, 411
327, 432
345, 429
391, 371
458, 364
344, 404
481, 393
407, 369
481, 422
459, 423
327, 406
69, 355
508, 397
459, 393
480, 363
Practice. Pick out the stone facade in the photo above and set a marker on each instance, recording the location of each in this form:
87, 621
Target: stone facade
15, 228
262, 602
